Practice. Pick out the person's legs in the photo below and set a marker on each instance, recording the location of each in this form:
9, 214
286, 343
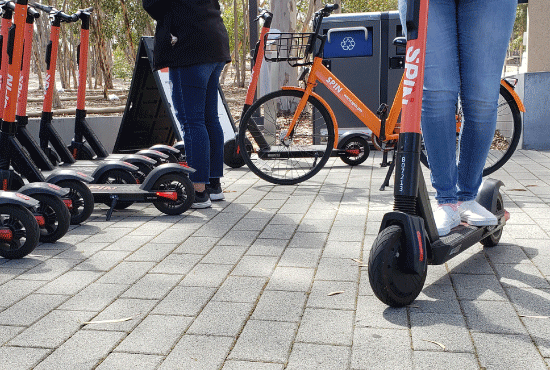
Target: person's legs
484, 29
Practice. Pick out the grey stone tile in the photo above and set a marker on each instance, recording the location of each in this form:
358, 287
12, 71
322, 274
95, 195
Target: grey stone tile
326, 327
95, 297
82, 351
476, 287
197, 245
109, 235
173, 236
371, 312
466, 263
239, 238
299, 257
156, 334
291, 279
346, 234
436, 299
184, 300
448, 330
521, 275
240, 289
207, 274
102, 261
213, 229
393, 349
264, 341
122, 308
8, 332
444, 360
267, 247
333, 295
490, 349
506, 253
531, 302
52, 330
80, 251
338, 249
21, 358
151, 252
126, 272
492, 317
224, 254
70, 283
278, 231
16, 289
177, 264
50, 269
198, 352
337, 269
137, 361
130, 242
221, 318
319, 356
538, 328
280, 306
250, 365
152, 286
34, 306
309, 240
255, 266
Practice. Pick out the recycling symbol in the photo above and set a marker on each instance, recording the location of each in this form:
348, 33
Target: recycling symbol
348, 43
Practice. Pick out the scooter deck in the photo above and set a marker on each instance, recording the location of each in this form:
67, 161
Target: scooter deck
104, 193
461, 238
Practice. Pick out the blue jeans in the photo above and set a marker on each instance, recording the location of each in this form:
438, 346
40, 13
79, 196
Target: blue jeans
195, 99
465, 51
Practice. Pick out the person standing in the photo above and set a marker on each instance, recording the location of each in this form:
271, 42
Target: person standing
192, 41
465, 50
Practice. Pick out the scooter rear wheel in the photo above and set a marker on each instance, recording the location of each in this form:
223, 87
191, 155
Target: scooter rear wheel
493, 239
357, 151
22, 225
230, 157
81, 198
390, 281
182, 186
56, 217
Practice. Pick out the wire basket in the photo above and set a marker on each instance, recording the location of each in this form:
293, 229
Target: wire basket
290, 47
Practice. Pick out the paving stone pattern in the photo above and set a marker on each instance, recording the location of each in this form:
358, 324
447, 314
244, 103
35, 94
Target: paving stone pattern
274, 278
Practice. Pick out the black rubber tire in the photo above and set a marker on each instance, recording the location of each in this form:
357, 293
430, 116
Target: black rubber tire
390, 284
24, 228
117, 176
56, 216
184, 188
355, 143
274, 167
144, 169
81, 198
493, 239
230, 158
507, 110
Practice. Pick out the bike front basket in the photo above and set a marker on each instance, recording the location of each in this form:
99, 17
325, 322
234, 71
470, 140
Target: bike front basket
290, 47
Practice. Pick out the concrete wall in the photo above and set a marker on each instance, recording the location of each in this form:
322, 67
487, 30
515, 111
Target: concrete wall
105, 127
538, 31
532, 88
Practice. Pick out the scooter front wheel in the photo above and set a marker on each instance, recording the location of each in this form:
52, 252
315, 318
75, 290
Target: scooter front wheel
391, 282
493, 239
184, 189
19, 231
230, 156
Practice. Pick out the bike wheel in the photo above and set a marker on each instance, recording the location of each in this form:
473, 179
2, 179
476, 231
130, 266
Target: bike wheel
288, 161
506, 137
390, 282
19, 231
79, 200
118, 177
356, 151
56, 217
182, 186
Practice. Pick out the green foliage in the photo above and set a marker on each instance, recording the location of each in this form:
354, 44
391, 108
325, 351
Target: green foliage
121, 67
360, 6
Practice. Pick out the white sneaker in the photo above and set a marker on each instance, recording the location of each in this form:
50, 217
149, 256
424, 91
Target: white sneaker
446, 218
475, 214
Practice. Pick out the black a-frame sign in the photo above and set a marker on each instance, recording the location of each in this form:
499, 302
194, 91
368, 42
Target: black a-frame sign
149, 117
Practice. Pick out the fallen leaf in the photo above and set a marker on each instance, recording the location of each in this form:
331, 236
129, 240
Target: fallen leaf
363, 265
230, 191
518, 190
107, 321
530, 186
535, 317
431, 341
357, 260
335, 293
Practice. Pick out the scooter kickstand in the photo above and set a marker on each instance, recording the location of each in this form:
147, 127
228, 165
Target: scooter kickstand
114, 199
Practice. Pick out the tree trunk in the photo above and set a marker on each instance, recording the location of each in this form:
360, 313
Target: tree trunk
236, 38
314, 5
284, 19
132, 50
103, 49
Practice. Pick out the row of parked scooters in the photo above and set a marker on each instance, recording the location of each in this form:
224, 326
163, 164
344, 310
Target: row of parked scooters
47, 186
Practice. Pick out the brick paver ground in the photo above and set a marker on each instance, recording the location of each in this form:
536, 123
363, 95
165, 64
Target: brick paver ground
247, 285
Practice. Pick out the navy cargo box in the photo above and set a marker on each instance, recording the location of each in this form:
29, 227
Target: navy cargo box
360, 53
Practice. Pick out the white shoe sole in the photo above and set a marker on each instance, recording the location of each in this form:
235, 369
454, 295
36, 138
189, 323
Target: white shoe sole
218, 196
201, 205
481, 222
